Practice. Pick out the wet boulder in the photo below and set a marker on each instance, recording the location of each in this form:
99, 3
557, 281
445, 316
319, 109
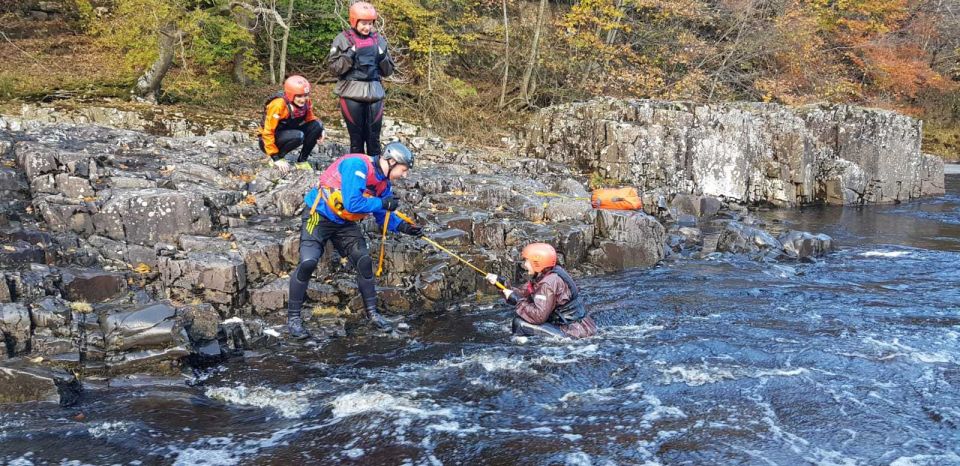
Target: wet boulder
697, 206
35, 159
563, 209
195, 173
51, 314
261, 252
122, 252
92, 286
804, 245
270, 298
74, 217
738, 238
215, 277
6, 294
15, 328
148, 216
326, 294
490, 233
394, 299
574, 241
451, 238
21, 383
202, 323
33, 283
19, 252
685, 239
443, 281
73, 187
287, 198
50, 317
154, 326
626, 239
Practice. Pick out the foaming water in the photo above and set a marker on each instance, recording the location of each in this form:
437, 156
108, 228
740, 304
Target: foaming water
851, 360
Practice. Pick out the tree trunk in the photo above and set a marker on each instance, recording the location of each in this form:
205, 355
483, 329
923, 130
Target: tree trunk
273, 53
525, 84
239, 58
593, 65
148, 84
506, 55
283, 44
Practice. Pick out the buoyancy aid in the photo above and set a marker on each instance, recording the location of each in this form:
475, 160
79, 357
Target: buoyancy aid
366, 62
295, 115
573, 310
331, 182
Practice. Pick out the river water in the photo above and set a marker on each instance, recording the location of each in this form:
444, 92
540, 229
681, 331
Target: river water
851, 360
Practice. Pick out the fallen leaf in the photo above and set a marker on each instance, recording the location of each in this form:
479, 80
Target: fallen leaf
321, 311
142, 268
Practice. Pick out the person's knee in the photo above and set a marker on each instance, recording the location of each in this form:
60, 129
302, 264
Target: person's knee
306, 268
313, 129
517, 326
364, 265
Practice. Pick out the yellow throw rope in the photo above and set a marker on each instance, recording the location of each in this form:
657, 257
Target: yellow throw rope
383, 243
549, 194
453, 254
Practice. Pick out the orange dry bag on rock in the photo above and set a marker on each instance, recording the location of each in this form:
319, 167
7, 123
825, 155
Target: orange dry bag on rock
617, 199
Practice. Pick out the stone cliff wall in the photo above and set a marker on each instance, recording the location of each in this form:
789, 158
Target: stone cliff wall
747, 152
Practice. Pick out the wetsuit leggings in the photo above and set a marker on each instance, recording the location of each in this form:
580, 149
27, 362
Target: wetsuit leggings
364, 121
288, 139
348, 239
524, 328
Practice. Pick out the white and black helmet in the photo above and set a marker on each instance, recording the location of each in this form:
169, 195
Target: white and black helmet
398, 152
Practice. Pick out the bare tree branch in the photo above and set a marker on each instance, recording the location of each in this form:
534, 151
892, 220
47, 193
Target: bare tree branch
262, 11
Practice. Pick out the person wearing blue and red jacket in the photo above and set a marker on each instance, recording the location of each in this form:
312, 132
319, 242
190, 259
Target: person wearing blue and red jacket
359, 58
351, 188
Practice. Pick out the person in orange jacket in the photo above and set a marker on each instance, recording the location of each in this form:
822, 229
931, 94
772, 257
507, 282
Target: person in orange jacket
289, 123
550, 303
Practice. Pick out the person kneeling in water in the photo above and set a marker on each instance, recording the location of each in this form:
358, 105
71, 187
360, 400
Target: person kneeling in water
550, 303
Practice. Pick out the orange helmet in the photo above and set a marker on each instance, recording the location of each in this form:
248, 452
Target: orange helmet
362, 11
295, 85
540, 255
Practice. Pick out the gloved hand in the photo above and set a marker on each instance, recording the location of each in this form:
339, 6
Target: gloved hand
389, 203
312, 222
281, 165
508, 295
493, 279
409, 229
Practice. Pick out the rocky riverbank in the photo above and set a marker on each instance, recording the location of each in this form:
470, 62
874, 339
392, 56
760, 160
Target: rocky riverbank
128, 252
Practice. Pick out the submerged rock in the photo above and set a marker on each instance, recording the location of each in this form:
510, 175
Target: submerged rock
20, 383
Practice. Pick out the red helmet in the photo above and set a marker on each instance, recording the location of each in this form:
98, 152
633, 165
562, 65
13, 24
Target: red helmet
540, 255
295, 85
362, 11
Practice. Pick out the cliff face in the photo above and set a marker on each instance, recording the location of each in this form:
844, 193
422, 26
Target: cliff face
742, 152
